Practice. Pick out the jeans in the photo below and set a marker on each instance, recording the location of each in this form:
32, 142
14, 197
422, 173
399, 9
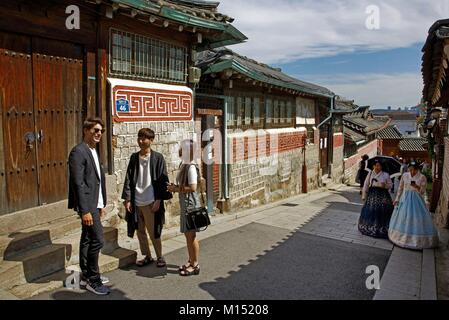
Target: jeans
90, 245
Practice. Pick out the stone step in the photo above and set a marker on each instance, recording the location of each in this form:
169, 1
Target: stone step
29, 218
110, 236
37, 236
25, 266
31, 265
119, 258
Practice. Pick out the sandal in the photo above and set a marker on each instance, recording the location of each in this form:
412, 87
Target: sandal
161, 262
186, 272
184, 266
144, 262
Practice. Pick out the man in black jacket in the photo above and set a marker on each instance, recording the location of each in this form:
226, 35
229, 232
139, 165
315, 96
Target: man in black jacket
144, 192
87, 196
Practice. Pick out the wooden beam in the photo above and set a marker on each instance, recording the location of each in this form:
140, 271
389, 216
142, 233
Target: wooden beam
209, 112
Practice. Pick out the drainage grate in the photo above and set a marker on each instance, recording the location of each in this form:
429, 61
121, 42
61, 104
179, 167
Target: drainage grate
290, 205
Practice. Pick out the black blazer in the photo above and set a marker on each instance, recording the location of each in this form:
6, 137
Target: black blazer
84, 180
159, 180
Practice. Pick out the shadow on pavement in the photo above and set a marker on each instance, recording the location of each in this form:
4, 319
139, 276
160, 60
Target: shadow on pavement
303, 267
87, 295
151, 271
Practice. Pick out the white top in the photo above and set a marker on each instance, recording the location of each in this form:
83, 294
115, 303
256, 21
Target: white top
144, 188
100, 204
381, 177
406, 184
192, 175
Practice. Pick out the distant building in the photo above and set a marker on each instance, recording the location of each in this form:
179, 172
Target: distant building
406, 123
405, 120
360, 128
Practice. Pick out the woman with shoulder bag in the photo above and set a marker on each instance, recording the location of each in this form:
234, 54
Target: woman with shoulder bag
187, 184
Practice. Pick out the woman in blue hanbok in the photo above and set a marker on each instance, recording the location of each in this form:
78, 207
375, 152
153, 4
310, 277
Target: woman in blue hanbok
378, 206
411, 225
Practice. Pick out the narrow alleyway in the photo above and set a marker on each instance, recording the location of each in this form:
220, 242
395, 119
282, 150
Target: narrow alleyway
306, 248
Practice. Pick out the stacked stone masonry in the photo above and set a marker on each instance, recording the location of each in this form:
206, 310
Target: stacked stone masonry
168, 136
351, 164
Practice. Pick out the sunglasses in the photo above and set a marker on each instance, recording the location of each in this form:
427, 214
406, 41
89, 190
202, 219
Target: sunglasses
96, 130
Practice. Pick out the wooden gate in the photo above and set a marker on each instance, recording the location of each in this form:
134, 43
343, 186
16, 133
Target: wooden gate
18, 172
41, 104
57, 79
324, 155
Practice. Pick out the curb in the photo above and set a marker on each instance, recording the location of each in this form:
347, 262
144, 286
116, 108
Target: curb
428, 276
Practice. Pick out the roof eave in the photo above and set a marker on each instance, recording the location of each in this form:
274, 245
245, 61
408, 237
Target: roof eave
229, 34
236, 66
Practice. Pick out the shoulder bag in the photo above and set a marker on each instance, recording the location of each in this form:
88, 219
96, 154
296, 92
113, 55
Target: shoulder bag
198, 218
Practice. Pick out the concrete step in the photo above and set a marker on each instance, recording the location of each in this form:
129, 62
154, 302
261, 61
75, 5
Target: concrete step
26, 266
31, 265
29, 218
37, 236
119, 258
110, 236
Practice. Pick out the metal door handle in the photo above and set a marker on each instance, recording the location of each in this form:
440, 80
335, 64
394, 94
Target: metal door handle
40, 136
29, 139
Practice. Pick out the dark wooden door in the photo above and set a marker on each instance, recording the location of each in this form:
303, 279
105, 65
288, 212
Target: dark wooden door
57, 80
324, 154
41, 96
18, 172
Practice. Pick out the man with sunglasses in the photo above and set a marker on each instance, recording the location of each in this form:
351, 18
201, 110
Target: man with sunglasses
87, 196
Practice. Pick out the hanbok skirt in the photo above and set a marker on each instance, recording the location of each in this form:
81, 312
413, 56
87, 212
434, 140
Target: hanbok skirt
376, 213
411, 225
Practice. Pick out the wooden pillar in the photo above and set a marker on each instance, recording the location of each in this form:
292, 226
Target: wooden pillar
91, 83
102, 106
3, 199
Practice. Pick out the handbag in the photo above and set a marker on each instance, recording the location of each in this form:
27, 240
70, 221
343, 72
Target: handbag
198, 219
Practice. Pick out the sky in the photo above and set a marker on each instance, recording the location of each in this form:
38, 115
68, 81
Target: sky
367, 51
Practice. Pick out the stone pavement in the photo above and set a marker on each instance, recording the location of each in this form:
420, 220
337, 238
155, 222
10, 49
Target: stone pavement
259, 244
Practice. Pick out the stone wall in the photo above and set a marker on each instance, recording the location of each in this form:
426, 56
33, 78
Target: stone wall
258, 180
351, 164
169, 134
337, 170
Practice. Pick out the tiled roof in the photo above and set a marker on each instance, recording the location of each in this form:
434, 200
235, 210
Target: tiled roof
413, 144
390, 132
201, 15
353, 135
434, 64
369, 125
221, 59
343, 104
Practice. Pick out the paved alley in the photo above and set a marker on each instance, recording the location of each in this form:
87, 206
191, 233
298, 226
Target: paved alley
307, 247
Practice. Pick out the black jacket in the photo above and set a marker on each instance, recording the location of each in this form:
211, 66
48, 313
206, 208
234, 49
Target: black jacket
84, 180
159, 180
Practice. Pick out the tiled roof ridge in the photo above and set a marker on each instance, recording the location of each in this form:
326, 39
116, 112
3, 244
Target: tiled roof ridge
210, 12
249, 59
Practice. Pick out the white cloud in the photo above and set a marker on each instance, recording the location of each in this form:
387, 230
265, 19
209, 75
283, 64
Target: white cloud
375, 90
286, 30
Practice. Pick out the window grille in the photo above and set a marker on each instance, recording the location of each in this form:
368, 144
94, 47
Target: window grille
137, 56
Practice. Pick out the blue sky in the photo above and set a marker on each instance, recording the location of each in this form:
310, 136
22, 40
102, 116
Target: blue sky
327, 42
398, 60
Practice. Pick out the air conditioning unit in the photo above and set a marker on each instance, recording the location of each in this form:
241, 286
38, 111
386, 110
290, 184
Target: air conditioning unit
194, 75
